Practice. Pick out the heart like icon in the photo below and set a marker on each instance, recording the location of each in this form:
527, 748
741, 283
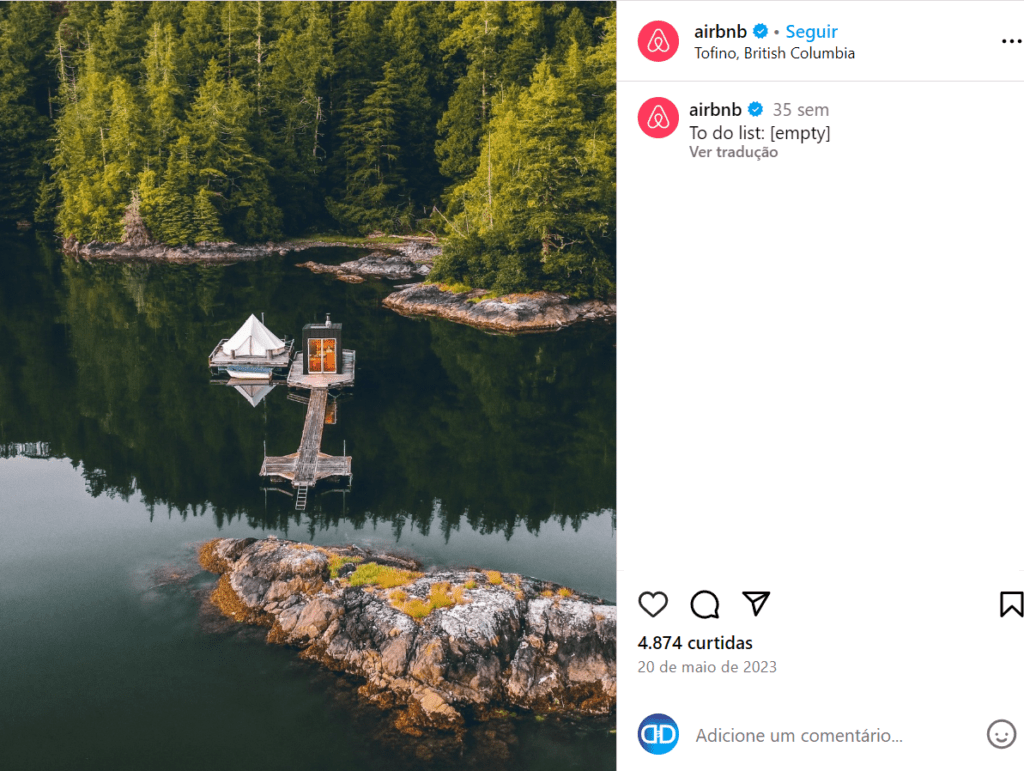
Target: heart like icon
653, 602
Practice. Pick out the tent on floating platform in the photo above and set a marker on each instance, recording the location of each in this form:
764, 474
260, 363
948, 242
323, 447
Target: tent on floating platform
253, 352
253, 339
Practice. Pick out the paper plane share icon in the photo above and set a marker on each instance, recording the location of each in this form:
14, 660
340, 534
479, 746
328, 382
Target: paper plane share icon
757, 600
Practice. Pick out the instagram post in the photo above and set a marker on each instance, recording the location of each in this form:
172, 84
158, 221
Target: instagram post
308, 389
322, 441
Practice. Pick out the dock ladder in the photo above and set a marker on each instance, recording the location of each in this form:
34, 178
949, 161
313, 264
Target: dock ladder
300, 497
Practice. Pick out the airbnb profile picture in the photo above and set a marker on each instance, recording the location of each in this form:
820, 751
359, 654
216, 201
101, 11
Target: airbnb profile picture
658, 117
658, 41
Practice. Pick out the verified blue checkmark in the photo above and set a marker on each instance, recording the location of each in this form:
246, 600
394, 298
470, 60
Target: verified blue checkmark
755, 109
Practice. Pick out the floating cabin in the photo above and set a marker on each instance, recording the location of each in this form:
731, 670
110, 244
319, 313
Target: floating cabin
252, 353
322, 362
251, 359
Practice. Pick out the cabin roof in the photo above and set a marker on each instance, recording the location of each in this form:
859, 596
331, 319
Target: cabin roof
326, 324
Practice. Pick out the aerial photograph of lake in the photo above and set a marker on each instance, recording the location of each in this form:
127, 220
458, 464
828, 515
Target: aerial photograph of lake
307, 385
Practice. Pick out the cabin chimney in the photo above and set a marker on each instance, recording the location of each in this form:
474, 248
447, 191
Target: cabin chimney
328, 322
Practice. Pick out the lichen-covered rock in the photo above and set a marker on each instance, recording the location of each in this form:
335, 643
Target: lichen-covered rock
226, 252
534, 312
497, 640
568, 654
138, 246
378, 264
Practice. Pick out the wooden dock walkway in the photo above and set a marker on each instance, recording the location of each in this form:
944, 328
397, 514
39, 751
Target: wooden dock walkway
308, 466
303, 469
312, 434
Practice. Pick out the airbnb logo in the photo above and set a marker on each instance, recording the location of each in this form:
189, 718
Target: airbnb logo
658, 117
658, 41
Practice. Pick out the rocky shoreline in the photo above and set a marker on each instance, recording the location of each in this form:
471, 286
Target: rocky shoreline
409, 248
204, 251
437, 647
534, 312
408, 264
411, 258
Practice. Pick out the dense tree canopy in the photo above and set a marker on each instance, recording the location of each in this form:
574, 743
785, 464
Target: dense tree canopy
490, 123
25, 111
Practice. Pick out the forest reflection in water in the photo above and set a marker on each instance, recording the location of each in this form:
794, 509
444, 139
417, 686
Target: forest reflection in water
105, 364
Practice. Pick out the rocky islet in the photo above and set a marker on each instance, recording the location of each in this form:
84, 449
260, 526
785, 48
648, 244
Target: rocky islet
514, 313
496, 641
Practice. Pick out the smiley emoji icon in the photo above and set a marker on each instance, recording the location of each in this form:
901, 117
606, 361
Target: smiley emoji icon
1001, 734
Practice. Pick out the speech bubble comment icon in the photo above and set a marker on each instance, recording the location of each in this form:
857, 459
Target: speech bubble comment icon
704, 604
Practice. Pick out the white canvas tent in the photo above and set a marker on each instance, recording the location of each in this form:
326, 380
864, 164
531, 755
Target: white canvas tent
254, 394
254, 339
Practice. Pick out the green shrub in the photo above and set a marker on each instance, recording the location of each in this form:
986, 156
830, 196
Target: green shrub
382, 576
337, 563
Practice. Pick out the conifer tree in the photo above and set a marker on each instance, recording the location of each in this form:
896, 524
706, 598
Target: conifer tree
25, 29
205, 221
359, 60
201, 41
256, 27
162, 91
165, 14
373, 160
167, 208
500, 42
411, 30
88, 208
538, 211
226, 165
572, 29
120, 41
296, 109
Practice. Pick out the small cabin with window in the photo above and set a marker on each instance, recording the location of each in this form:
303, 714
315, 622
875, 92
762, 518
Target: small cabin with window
321, 344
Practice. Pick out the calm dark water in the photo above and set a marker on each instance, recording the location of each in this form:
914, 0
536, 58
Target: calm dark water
119, 457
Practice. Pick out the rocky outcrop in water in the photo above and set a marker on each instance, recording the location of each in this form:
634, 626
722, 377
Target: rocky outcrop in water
438, 647
411, 250
535, 312
226, 252
376, 265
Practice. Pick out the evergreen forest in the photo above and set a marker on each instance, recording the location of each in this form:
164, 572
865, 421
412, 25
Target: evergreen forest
489, 124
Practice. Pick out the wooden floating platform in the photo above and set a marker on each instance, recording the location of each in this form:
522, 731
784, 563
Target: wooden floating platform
253, 377
219, 359
328, 466
346, 377
308, 466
